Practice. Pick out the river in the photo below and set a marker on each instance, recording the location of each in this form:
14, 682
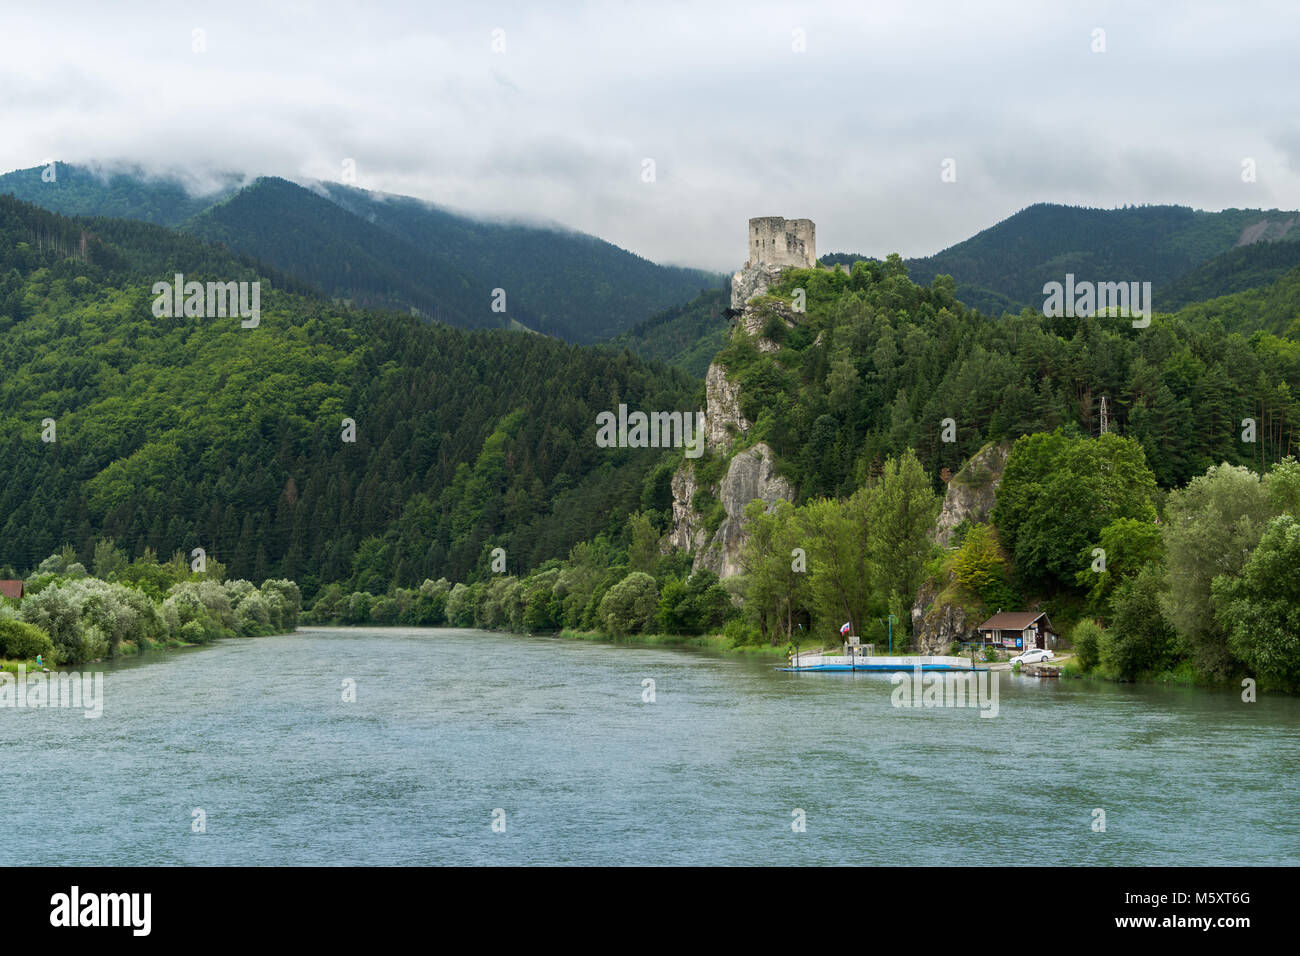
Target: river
722, 767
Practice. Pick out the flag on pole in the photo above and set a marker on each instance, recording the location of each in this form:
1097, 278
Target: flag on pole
845, 628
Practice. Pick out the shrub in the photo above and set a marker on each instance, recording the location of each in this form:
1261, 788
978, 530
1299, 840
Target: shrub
741, 632
286, 598
384, 611
21, 641
70, 611
460, 606
358, 608
330, 605
253, 616
88, 645
1139, 639
629, 605
1087, 640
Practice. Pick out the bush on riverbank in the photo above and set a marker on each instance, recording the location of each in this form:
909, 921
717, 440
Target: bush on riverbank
148, 605
581, 595
20, 641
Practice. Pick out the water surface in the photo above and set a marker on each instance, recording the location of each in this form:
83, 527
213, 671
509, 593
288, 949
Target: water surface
450, 725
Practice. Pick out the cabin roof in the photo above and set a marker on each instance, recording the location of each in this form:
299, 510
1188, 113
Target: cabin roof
1013, 621
11, 589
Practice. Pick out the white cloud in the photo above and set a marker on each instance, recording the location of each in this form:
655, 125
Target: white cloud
850, 133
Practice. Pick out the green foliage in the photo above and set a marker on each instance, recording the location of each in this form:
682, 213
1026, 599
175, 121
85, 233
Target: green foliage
1140, 640
775, 576
1282, 484
901, 508
1260, 610
1129, 545
684, 336
643, 543
857, 559
741, 632
1240, 269
629, 606
401, 253
1004, 267
127, 193
698, 605
86, 618
981, 568
1260, 297
842, 584
181, 433
109, 561
1087, 639
894, 359
1059, 491
1210, 529
20, 641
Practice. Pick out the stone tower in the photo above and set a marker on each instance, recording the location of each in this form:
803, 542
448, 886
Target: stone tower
775, 243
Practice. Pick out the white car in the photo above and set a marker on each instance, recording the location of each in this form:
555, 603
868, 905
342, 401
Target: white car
1033, 656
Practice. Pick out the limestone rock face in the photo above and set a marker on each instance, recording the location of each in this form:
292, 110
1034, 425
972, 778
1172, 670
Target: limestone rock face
722, 417
722, 423
753, 325
971, 494
972, 491
936, 625
751, 474
775, 244
752, 281
686, 534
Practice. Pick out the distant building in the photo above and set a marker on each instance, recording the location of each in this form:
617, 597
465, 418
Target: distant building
1019, 629
777, 241
11, 589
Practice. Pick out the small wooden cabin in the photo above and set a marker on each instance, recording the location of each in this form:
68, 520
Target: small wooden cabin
1018, 629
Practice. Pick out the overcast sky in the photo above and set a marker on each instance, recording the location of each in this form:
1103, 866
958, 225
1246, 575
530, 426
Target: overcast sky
851, 132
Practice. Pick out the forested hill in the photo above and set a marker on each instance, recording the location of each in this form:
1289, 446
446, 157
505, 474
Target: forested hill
377, 249
1003, 268
569, 284
128, 193
686, 336
176, 433
877, 363
1253, 266
311, 237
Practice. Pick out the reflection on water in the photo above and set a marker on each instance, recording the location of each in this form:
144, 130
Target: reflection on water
448, 726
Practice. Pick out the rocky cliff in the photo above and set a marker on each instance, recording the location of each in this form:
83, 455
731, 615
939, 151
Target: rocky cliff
937, 623
972, 492
723, 421
750, 473
938, 616
687, 532
752, 281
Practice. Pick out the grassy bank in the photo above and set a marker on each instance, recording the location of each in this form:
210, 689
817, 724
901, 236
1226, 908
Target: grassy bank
1182, 675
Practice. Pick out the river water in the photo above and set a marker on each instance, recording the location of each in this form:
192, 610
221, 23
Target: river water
555, 736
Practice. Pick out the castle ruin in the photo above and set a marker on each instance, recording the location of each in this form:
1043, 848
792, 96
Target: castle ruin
775, 243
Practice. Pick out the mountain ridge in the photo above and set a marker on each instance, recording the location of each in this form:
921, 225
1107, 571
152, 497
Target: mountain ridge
441, 263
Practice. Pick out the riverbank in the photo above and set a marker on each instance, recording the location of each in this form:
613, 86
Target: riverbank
714, 643
1184, 675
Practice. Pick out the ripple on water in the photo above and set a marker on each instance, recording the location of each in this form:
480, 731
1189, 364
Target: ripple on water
450, 725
